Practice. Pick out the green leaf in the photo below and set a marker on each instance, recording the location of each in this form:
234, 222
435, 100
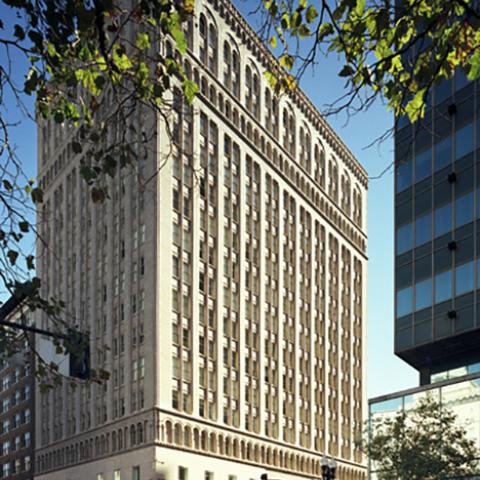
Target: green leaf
346, 71
286, 61
190, 89
24, 226
311, 14
30, 261
12, 256
143, 41
19, 32
474, 64
324, 30
37, 195
273, 41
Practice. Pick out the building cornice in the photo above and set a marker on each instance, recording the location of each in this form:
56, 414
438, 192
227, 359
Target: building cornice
251, 39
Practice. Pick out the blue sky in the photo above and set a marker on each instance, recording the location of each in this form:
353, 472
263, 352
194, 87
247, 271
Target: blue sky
386, 373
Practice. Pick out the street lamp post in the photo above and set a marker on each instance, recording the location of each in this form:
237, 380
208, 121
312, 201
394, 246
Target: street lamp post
329, 467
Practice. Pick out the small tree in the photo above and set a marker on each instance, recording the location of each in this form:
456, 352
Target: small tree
425, 443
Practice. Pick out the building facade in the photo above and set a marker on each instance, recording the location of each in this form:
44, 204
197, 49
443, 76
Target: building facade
437, 207
17, 407
231, 288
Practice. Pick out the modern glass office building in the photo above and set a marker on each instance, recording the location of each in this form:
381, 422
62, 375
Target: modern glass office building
437, 217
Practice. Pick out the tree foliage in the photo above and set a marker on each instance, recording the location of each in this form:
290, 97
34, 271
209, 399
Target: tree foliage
425, 443
92, 66
396, 50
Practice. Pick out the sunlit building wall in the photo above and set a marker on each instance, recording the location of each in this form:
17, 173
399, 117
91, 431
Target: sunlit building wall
230, 286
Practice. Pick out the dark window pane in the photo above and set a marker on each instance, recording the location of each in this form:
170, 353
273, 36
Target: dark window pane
443, 286
423, 229
404, 175
423, 294
464, 278
443, 153
460, 80
423, 165
404, 302
443, 219
463, 141
404, 238
443, 90
478, 199
464, 209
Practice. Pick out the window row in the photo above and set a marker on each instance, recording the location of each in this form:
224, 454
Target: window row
442, 287
432, 225
422, 164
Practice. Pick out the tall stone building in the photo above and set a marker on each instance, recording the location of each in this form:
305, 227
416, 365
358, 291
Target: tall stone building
230, 287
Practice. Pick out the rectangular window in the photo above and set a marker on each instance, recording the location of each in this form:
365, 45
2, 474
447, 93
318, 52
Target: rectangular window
423, 294
404, 238
464, 209
443, 286
208, 475
404, 175
443, 153
136, 473
404, 302
463, 141
100, 476
443, 219
423, 165
423, 229
464, 278
182, 473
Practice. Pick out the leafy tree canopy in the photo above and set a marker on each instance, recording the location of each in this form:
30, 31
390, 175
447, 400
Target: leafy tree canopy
425, 443
397, 50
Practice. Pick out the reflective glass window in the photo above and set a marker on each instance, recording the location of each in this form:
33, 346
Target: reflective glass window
478, 199
474, 368
443, 286
404, 175
464, 209
423, 165
443, 153
463, 141
423, 294
404, 238
423, 229
464, 278
443, 219
404, 301
460, 79
443, 90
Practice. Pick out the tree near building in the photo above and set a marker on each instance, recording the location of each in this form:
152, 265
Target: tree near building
425, 443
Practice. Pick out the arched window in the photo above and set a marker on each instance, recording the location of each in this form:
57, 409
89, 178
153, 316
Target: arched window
305, 149
188, 32
357, 206
208, 48
231, 69
346, 194
271, 113
252, 92
333, 179
319, 165
289, 132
